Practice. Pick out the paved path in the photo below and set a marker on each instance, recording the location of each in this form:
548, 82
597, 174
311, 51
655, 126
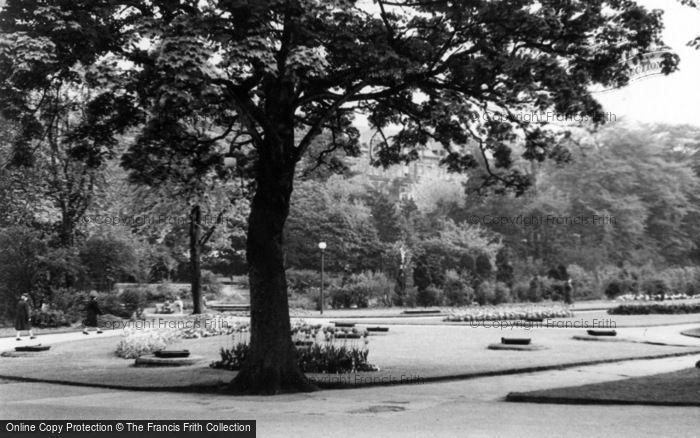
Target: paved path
471, 408
54, 338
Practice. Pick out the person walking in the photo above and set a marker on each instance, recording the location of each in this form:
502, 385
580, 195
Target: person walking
92, 309
23, 321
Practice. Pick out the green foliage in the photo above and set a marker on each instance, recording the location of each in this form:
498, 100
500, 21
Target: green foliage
584, 283
429, 296
110, 304
463, 248
318, 358
654, 287
330, 213
50, 319
133, 301
656, 308
300, 281
366, 289
457, 290
319, 350
107, 260
486, 293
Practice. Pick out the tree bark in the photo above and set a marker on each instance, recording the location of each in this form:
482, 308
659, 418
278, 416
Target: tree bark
271, 366
195, 259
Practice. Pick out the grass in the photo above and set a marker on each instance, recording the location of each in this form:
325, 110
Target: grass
680, 388
425, 353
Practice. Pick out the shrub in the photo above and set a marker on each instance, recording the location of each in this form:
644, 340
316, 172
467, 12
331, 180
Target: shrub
210, 283
684, 280
654, 287
162, 292
521, 291
483, 267
486, 293
654, 308
110, 304
535, 292
502, 294
49, 318
430, 296
584, 283
69, 301
133, 301
300, 281
617, 287
307, 301
362, 290
457, 290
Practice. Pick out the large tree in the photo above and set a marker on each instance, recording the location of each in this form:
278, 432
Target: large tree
287, 70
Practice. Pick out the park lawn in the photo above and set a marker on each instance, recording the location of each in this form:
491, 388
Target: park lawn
680, 388
404, 354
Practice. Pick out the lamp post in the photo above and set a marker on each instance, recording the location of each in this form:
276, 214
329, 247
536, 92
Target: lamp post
322, 247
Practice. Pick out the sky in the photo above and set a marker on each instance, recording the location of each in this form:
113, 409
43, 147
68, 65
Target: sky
673, 99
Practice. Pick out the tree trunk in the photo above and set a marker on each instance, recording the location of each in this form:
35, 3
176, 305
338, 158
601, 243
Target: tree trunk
195, 262
271, 366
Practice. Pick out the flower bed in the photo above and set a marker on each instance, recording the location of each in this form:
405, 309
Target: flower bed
137, 342
210, 324
321, 350
655, 308
473, 314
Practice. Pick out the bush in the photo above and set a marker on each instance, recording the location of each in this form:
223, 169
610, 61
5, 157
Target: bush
658, 308
486, 293
69, 301
307, 301
535, 291
49, 319
617, 287
521, 291
584, 284
684, 280
655, 287
502, 294
363, 290
457, 290
300, 281
210, 283
163, 292
430, 296
110, 304
133, 301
